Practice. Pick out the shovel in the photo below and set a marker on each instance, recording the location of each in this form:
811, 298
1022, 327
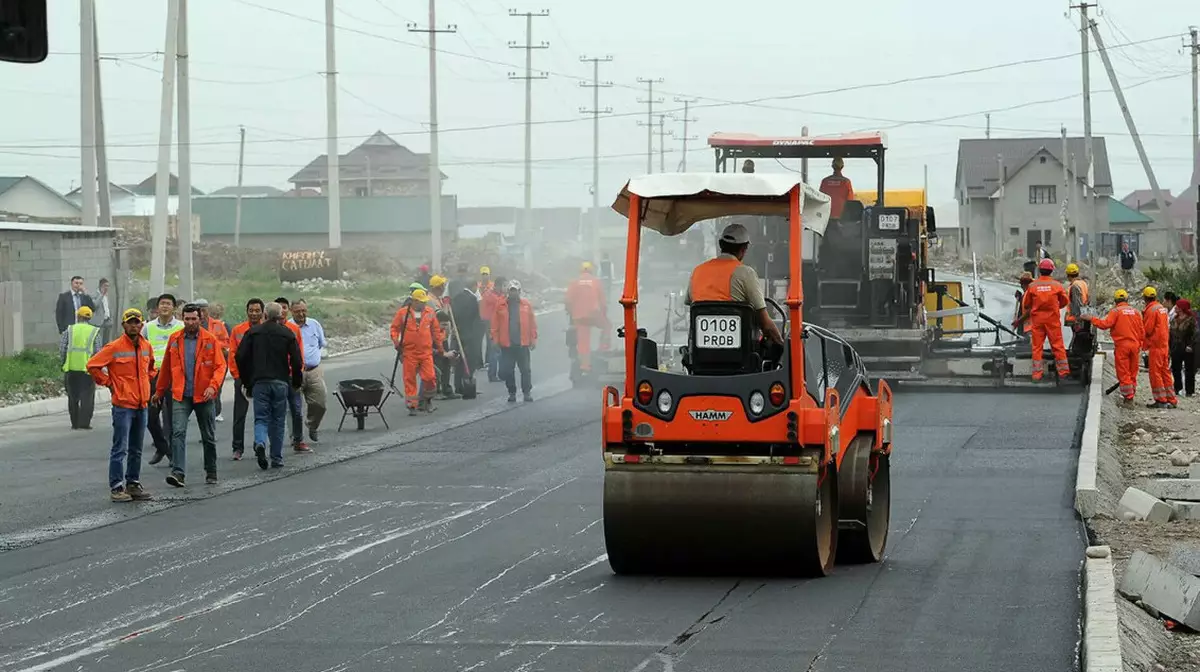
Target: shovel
469, 391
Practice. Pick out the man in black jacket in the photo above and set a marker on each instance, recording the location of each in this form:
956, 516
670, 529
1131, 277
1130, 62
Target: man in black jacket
465, 305
271, 365
69, 303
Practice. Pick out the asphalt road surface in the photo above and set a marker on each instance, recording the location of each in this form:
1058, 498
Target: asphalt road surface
481, 548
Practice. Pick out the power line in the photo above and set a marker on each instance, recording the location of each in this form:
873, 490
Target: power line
753, 101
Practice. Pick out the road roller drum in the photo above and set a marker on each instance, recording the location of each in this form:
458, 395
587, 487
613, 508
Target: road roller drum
719, 520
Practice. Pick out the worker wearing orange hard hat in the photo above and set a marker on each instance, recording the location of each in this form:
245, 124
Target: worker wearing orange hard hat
417, 334
1042, 306
1157, 343
1124, 322
586, 308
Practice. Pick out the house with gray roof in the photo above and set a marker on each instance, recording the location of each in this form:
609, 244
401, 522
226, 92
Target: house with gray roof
26, 195
1010, 192
380, 166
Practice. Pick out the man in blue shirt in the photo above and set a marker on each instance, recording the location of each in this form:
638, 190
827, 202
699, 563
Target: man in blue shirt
313, 387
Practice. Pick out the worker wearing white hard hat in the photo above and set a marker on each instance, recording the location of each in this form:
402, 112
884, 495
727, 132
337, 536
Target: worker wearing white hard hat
726, 279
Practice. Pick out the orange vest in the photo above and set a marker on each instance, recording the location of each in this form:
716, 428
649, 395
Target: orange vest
1042, 301
210, 366
1083, 289
419, 336
1124, 322
712, 280
1158, 334
839, 190
235, 340
217, 328
584, 297
130, 368
500, 331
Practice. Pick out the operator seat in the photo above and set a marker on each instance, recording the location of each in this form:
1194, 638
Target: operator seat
722, 339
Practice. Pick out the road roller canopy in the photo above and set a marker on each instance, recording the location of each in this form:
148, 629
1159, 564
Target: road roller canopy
673, 202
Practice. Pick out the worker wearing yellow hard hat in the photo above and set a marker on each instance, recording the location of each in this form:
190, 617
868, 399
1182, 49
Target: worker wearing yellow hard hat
1124, 323
1157, 344
586, 267
1077, 296
416, 334
76, 346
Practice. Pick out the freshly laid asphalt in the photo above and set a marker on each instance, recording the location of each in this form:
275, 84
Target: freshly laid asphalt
481, 548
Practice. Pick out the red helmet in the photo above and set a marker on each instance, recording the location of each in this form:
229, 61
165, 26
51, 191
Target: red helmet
424, 268
1046, 265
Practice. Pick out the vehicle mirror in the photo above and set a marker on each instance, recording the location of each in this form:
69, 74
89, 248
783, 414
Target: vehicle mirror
23, 35
930, 222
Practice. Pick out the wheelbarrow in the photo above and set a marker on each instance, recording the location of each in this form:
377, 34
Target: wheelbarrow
358, 397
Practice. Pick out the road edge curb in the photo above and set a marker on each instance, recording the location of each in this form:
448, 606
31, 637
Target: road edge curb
1101, 649
56, 405
1087, 492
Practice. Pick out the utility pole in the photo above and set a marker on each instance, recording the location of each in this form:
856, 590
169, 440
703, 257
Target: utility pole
1073, 245
237, 205
1173, 234
662, 142
596, 111
528, 46
649, 103
1087, 225
1196, 100
988, 131
998, 213
687, 119
435, 170
183, 219
162, 180
87, 115
101, 145
804, 162
1196, 134
333, 170
1073, 194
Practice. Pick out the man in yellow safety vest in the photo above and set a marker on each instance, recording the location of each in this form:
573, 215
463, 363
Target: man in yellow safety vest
76, 346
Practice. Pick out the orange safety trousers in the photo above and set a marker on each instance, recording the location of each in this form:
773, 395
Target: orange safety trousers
1162, 383
1052, 331
418, 363
1126, 357
583, 339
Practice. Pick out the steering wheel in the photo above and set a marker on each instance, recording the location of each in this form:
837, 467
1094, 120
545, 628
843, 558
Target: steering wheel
782, 322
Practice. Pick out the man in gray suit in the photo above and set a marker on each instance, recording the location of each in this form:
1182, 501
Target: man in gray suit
102, 315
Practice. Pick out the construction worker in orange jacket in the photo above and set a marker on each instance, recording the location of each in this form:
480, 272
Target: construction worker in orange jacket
1124, 322
125, 366
1077, 294
1020, 321
1157, 343
586, 307
417, 334
192, 391
1042, 306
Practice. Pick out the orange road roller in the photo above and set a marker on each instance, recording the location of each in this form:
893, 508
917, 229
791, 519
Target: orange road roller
751, 456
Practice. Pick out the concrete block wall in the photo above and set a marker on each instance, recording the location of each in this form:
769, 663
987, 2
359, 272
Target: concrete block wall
44, 263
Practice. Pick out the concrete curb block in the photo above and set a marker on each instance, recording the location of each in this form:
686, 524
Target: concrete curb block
1101, 628
1087, 492
37, 409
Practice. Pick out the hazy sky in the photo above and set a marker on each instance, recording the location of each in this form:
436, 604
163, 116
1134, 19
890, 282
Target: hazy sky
256, 66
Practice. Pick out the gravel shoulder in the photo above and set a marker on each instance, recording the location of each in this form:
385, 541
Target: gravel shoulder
1136, 444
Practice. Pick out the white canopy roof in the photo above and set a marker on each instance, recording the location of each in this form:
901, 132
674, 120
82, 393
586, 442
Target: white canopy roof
676, 201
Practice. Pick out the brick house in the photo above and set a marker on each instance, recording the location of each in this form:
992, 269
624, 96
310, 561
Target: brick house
380, 166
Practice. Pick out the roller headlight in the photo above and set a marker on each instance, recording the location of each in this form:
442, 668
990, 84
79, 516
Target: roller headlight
664, 402
757, 403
